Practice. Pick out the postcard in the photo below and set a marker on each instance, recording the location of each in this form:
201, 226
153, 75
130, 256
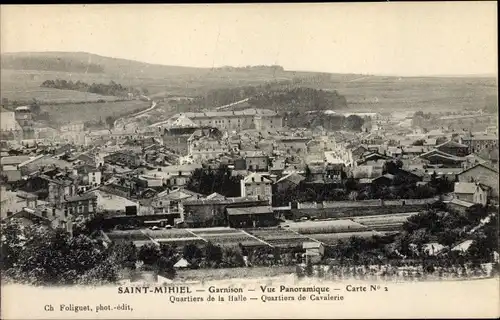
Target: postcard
244, 161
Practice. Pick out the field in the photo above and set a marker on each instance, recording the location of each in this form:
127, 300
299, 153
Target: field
227, 237
347, 213
294, 234
428, 94
62, 113
363, 93
279, 237
334, 238
23, 87
333, 226
127, 236
174, 237
384, 222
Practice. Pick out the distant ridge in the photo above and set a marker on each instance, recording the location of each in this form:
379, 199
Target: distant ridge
86, 62
81, 61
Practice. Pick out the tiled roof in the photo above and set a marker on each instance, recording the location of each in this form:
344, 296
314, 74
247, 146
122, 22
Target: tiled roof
249, 210
293, 177
226, 201
465, 187
256, 177
462, 203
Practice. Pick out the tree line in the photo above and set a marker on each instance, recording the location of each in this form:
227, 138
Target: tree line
38, 255
350, 189
283, 95
312, 120
111, 89
208, 181
296, 98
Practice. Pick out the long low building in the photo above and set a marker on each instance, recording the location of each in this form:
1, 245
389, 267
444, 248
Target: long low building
234, 120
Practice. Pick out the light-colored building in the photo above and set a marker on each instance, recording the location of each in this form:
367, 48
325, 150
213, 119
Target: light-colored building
471, 192
236, 120
9, 127
257, 184
482, 174
292, 146
206, 148
478, 142
257, 162
172, 176
8, 121
90, 175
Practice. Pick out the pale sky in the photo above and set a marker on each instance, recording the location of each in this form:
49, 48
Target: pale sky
445, 38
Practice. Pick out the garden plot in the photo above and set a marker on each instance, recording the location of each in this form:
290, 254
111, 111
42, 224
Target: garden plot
326, 226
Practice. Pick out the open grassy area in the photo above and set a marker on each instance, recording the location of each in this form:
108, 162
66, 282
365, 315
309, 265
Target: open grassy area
63, 113
412, 93
24, 86
363, 93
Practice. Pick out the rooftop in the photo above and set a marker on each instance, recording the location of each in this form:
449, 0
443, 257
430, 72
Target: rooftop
213, 114
465, 187
222, 201
461, 203
256, 177
14, 160
292, 177
249, 210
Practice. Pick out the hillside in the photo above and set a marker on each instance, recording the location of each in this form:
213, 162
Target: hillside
86, 62
23, 73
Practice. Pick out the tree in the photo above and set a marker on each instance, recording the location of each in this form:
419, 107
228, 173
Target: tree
308, 173
191, 251
419, 142
41, 256
35, 107
110, 121
354, 122
207, 181
213, 253
149, 254
232, 258
476, 213
126, 254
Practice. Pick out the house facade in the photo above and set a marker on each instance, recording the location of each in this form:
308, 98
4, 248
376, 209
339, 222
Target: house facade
256, 184
482, 174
